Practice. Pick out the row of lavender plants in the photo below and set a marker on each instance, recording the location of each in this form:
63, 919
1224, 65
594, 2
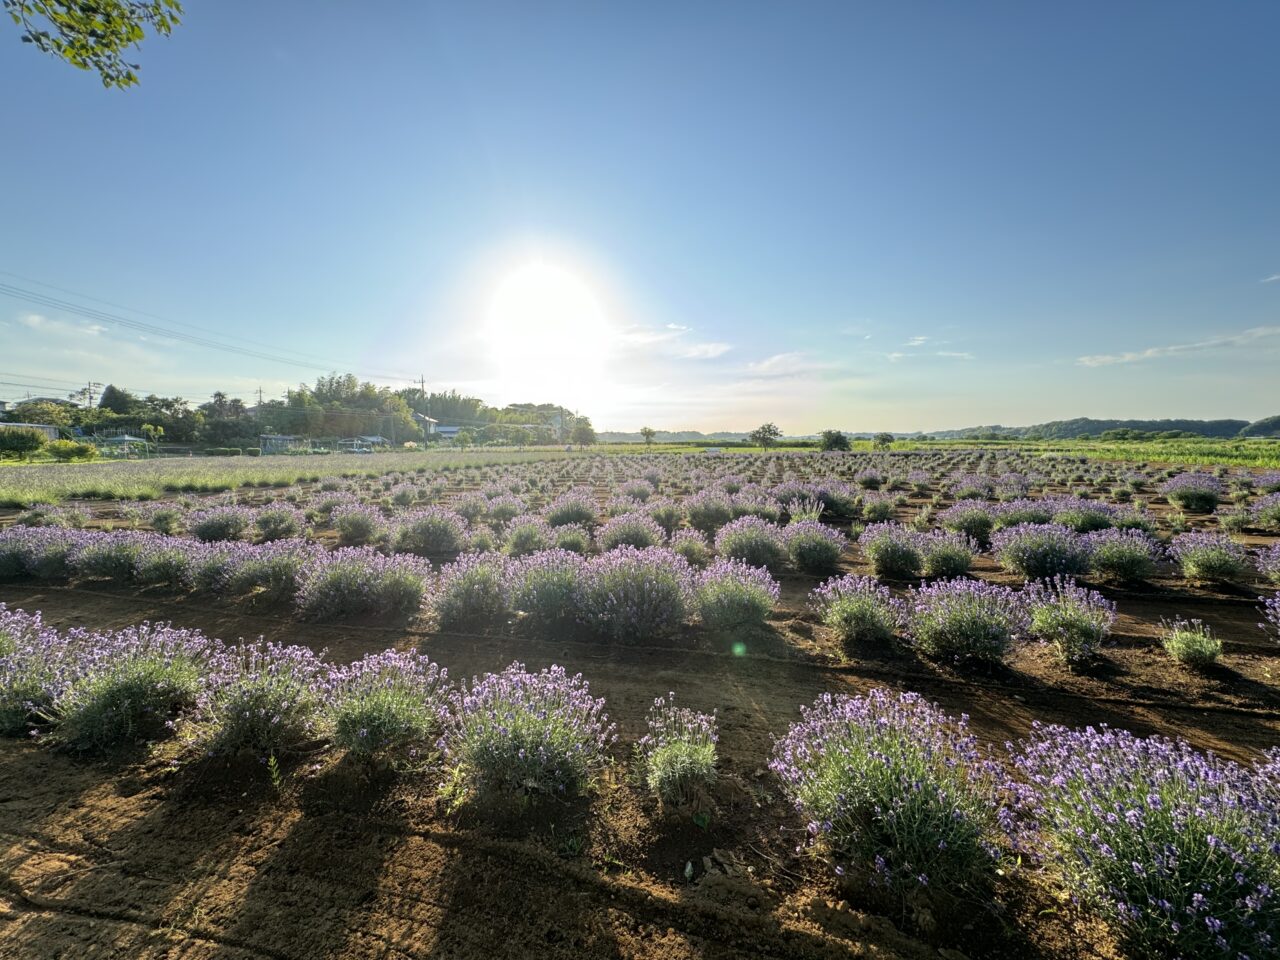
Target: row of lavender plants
1178, 850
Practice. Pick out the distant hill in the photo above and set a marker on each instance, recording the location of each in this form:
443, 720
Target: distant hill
1266, 427
1053, 430
1088, 427
667, 436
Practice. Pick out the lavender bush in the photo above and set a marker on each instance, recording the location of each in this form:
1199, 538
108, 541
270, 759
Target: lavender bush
388, 703
220, 523
1271, 615
429, 532
1209, 556
127, 685
1175, 847
1123, 554
893, 550
1073, 620
279, 522
547, 588
530, 733
353, 581
263, 698
473, 590
947, 554
34, 666
730, 594
1040, 551
1194, 492
526, 534
677, 755
814, 547
966, 620
896, 793
1265, 512
859, 610
1191, 643
753, 541
629, 529
632, 594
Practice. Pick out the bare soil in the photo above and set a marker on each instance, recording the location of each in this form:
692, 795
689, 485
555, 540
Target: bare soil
140, 857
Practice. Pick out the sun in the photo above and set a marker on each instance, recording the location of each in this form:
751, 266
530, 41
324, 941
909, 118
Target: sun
547, 334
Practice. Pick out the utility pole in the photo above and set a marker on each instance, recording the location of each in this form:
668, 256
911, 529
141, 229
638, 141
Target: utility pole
259, 398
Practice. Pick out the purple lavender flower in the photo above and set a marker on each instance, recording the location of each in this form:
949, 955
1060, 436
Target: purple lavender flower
859, 609
1074, 620
1123, 554
632, 594
897, 793
813, 546
966, 620
388, 702
678, 753
1209, 556
1041, 551
1195, 492
474, 590
731, 594
753, 541
520, 732
1177, 848
633, 529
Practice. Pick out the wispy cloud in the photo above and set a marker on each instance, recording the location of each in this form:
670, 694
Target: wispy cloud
704, 351
1271, 279
916, 342
794, 364
954, 354
1180, 349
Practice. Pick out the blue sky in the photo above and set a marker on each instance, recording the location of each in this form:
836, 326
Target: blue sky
863, 215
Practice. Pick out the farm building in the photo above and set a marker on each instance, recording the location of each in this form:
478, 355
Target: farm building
281, 443
364, 444
50, 433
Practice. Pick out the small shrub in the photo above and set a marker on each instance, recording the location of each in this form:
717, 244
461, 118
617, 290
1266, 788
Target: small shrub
859, 610
1269, 562
897, 794
1041, 551
708, 512
1209, 556
1266, 513
573, 538
388, 702
127, 685
753, 541
220, 523
678, 754
33, 667
272, 571
631, 530
1174, 847
166, 520
279, 522
730, 594
531, 733
526, 534
1020, 511
265, 698
974, 520
1194, 492
666, 513
354, 581
1071, 619
473, 591
947, 555
893, 549
966, 621
358, 525
1082, 516
1191, 643
1123, 554
66, 450
547, 588
108, 556
431, 531
1271, 615
632, 594
691, 545
574, 507
814, 547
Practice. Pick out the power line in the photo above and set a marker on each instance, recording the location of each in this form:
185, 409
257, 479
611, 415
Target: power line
102, 316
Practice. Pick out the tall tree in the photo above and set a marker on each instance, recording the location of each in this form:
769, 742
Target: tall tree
765, 435
94, 34
117, 400
648, 433
833, 440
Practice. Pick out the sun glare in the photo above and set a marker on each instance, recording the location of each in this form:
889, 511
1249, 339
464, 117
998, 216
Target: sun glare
547, 333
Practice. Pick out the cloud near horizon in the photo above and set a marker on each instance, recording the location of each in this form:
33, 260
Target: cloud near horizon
1179, 349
